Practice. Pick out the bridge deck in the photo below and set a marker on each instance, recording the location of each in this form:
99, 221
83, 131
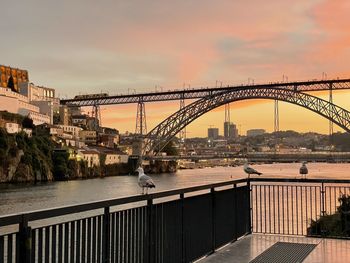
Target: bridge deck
196, 93
249, 247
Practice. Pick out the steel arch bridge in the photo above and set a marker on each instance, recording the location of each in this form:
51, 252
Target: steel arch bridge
162, 134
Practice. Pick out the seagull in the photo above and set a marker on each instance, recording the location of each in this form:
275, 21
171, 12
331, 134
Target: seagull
144, 181
303, 170
250, 170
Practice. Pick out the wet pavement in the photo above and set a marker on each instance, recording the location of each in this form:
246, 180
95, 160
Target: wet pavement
249, 247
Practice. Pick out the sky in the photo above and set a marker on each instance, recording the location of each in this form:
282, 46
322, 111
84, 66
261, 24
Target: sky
87, 46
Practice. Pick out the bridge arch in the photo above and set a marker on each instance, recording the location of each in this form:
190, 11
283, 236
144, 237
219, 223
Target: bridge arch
158, 138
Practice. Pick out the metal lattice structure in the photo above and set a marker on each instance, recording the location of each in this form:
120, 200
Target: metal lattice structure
141, 125
158, 138
198, 93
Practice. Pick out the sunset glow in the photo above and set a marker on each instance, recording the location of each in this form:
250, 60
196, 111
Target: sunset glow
115, 46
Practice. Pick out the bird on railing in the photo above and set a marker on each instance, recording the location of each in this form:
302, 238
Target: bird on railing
303, 170
144, 181
250, 170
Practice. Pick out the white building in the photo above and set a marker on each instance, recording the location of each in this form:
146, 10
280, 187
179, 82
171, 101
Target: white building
37, 93
12, 127
16, 103
91, 157
74, 130
115, 158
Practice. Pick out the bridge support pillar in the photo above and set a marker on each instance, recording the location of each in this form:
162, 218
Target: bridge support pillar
331, 112
182, 133
141, 126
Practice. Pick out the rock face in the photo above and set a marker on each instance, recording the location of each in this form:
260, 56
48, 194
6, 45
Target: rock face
15, 171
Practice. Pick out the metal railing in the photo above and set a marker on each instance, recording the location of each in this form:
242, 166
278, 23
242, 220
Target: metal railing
289, 206
179, 225
172, 226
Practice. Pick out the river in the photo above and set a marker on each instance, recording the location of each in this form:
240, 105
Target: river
27, 197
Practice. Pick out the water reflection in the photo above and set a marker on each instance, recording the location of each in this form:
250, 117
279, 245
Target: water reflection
21, 198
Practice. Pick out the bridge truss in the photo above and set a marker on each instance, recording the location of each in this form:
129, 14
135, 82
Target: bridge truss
161, 135
198, 93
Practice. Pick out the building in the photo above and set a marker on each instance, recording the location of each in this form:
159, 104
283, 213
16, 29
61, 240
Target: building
230, 130
18, 95
12, 77
79, 120
37, 93
16, 103
114, 156
42, 97
73, 130
89, 137
213, 133
12, 127
64, 115
255, 132
109, 140
91, 157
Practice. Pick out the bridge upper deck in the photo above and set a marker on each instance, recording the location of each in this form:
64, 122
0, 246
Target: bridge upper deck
196, 93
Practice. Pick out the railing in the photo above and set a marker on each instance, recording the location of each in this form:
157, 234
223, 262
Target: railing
172, 226
289, 206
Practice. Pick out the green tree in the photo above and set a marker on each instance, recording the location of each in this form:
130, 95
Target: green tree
170, 149
28, 123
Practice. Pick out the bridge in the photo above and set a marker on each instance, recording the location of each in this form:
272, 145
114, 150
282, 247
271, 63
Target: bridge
206, 99
201, 92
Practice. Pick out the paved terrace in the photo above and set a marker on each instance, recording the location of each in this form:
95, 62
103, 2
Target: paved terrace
249, 247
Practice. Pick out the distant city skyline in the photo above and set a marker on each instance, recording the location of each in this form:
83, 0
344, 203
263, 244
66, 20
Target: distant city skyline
88, 47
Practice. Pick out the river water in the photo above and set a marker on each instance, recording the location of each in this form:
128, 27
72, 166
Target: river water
28, 197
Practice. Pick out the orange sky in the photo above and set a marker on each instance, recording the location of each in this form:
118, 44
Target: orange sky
84, 46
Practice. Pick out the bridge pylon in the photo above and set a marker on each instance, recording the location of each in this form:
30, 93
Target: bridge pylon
141, 125
182, 133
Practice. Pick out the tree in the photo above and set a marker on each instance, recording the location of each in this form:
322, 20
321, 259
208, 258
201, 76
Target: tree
11, 84
28, 123
170, 149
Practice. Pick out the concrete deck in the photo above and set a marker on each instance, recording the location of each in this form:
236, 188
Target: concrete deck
249, 247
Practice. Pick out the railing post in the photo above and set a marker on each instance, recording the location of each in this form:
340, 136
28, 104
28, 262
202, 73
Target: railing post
183, 239
323, 201
323, 209
25, 241
150, 235
106, 236
250, 207
213, 211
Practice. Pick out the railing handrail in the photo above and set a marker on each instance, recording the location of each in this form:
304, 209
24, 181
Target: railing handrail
73, 209
299, 180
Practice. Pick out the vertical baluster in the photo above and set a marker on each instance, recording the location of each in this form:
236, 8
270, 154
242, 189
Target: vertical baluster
83, 241
122, 237
34, 239
94, 234
2, 252
297, 206
99, 252
9, 248
113, 235
47, 244
88, 249
72, 242
78, 243
40, 245
261, 213
53, 244
66, 240
129, 236
117, 236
